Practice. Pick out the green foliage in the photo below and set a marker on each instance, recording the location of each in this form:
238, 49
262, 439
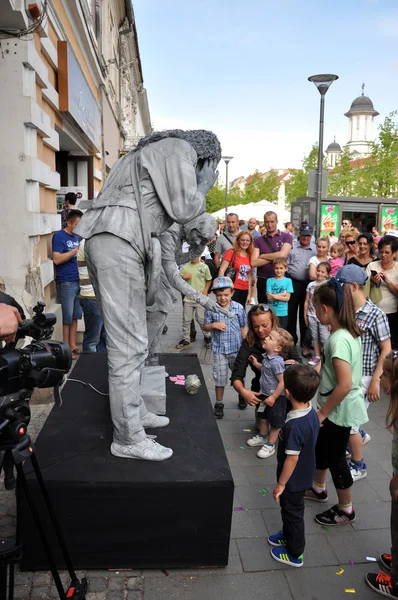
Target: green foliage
297, 185
344, 179
258, 188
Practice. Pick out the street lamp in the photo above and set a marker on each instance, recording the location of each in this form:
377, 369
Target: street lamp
323, 83
226, 159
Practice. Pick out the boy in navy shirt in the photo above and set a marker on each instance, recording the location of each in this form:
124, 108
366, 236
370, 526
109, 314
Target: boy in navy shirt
65, 245
296, 463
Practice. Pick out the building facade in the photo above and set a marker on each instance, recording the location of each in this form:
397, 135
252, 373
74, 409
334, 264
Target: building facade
72, 98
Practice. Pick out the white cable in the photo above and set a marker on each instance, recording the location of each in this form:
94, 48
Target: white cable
89, 385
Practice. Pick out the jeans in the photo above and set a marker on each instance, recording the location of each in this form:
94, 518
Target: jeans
68, 297
94, 326
292, 509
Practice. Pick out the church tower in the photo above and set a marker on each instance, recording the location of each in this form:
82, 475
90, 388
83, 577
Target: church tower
333, 153
360, 126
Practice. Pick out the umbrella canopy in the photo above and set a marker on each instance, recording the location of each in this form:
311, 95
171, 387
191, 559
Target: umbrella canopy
256, 210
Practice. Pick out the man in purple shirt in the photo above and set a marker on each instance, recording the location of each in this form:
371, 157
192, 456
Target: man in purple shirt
274, 244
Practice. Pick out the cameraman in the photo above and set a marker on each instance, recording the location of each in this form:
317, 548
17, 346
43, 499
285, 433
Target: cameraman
9, 321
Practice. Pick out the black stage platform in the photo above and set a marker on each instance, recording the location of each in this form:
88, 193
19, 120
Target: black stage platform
120, 513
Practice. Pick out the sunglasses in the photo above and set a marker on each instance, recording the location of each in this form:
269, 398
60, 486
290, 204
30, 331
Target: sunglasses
263, 307
351, 243
344, 223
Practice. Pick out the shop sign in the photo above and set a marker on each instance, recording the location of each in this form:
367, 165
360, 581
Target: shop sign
330, 214
76, 97
388, 218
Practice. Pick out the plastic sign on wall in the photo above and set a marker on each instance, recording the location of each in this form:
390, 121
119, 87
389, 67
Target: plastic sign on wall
388, 218
330, 218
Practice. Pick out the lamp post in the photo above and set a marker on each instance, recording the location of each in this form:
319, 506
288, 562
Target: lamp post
226, 159
323, 83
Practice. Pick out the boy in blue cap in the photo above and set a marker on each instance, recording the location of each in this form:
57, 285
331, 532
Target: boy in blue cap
227, 334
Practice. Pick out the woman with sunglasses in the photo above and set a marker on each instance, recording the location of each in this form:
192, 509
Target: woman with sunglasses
350, 241
383, 274
261, 319
365, 251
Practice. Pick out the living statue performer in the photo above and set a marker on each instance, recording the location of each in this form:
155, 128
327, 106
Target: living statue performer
163, 181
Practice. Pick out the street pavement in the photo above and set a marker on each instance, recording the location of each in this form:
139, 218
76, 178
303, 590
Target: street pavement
251, 572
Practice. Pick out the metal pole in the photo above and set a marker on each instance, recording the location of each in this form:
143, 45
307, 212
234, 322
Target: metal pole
320, 167
226, 193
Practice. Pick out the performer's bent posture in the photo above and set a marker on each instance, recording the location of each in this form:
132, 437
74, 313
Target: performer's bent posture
164, 180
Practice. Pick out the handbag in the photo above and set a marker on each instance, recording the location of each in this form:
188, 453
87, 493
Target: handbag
231, 271
373, 292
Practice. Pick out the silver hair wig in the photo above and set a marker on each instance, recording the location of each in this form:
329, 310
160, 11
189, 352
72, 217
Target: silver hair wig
205, 143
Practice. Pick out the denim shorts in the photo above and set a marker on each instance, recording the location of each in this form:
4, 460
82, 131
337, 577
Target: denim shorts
68, 297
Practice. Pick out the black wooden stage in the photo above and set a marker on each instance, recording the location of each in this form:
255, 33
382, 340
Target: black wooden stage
120, 513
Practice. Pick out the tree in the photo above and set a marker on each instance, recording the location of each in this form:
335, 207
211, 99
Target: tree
344, 180
297, 186
215, 198
379, 175
261, 187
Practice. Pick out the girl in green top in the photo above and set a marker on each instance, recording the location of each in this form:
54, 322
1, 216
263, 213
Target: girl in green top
341, 402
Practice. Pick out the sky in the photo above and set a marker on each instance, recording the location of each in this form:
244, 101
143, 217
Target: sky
241, 68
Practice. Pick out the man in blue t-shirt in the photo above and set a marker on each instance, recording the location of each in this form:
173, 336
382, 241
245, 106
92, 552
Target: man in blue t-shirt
296, 463
65, 245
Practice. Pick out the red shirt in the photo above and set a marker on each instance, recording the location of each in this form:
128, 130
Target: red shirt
243, 268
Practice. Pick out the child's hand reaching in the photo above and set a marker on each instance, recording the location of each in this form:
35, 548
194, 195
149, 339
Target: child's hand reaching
255, 362
220, 326
270, 401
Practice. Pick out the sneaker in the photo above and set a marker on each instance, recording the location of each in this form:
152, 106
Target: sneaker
348, 454
182, 344
277, 539
358, 473
312, 494
281, 555
219, 410
335, 516
242, 403
386, 561
257, 440
382, 584
208, 343
151, 420
266, 451
148, 449
365, 437
314, 361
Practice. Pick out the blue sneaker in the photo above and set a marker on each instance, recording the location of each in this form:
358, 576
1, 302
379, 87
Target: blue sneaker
281, 555
277, 539
365, 437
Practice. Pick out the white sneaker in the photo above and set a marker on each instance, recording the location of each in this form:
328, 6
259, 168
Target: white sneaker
151, 420
266, 451
257, 440
148, 449
365, 437
357, 473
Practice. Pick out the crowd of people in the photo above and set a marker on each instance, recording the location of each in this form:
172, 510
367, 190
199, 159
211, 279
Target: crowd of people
337, 296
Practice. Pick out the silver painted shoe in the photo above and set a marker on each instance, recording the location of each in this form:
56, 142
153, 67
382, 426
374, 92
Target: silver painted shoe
151, 420
148, 449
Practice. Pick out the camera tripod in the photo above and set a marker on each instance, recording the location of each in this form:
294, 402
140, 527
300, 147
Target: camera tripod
16, 447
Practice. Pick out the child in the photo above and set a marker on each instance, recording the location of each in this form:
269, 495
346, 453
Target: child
279, 289
322, 255
227, 336
272, 403
383, 584
337, 258
296, 463
319, 332
340, 400
199, 277
376, 344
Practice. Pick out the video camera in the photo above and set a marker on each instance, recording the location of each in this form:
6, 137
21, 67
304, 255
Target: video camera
41, 364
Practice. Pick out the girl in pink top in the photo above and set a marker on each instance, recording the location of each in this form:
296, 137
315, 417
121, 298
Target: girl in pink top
337, 258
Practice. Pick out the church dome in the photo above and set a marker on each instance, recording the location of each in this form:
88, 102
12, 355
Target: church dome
362, 105
333, 147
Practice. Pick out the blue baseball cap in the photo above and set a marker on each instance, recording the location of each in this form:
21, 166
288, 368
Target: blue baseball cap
221, 283
352, 274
